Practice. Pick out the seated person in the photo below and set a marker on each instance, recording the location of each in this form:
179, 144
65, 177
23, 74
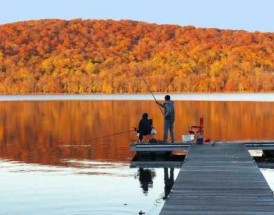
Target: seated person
145, 126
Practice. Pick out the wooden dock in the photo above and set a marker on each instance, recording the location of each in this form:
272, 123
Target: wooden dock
219, 178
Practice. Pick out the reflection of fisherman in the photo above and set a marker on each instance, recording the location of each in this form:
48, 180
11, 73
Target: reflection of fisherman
169, 181
169, 115
145, 178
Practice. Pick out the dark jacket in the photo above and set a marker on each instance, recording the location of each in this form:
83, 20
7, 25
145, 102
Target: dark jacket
145, 126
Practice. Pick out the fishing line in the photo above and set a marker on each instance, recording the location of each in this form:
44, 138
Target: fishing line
110, 135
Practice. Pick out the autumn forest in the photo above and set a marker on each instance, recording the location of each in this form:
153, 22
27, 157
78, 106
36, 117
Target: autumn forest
106, 56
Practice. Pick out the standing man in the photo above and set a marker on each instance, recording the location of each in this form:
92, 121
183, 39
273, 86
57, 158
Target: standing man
169, 115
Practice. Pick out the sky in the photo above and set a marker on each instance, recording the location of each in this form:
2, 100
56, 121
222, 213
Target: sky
249, 15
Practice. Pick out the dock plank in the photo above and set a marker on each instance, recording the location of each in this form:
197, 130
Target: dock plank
219, 179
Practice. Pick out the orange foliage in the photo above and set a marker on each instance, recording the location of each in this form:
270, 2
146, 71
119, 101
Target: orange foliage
90, 56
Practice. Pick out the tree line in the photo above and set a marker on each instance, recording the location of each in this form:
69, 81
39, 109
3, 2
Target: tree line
106, 56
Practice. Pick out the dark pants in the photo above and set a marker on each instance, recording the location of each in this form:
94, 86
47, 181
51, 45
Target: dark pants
168, 126
142, 134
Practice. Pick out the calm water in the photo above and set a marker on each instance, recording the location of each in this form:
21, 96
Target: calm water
60, 157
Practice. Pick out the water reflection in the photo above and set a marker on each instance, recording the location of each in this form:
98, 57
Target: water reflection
49, 132
147, 164
146, 178
169, 180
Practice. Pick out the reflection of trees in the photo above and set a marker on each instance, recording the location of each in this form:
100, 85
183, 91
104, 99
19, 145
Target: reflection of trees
169, 180
38, 132
145, 178
47, 132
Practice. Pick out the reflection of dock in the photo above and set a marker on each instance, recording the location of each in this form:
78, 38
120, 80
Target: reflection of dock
172, 161
219, 178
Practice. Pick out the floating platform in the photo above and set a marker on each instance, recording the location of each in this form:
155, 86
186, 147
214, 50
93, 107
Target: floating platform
159, 147
178, 146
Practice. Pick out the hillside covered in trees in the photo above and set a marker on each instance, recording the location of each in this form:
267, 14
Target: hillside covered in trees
106, 56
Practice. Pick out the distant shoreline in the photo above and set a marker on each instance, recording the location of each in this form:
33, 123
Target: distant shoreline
256, 97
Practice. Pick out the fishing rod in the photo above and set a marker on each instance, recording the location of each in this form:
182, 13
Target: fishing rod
114, 134
150, 90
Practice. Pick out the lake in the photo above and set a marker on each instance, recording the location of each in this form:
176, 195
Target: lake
69, 154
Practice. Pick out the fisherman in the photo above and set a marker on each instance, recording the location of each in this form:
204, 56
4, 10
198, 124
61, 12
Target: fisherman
169, 115
144, 127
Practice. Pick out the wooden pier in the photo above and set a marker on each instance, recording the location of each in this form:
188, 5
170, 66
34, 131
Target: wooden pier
219, 178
